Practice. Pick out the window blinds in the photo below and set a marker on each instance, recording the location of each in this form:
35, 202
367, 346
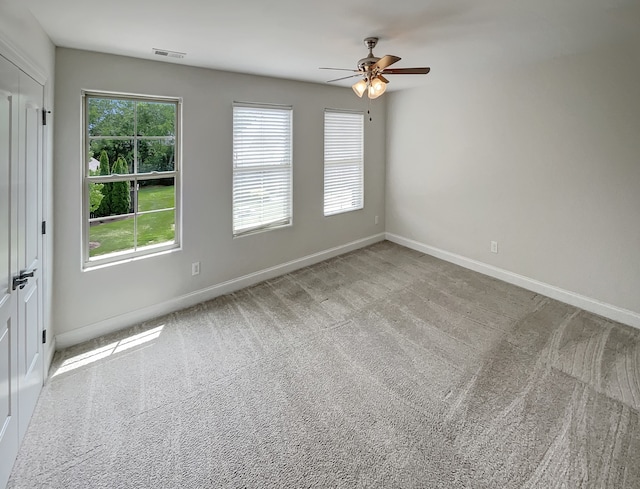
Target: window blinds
343, 161
261, 167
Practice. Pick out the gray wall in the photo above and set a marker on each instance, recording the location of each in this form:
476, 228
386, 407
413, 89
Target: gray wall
544, 159
84, 298
23, 32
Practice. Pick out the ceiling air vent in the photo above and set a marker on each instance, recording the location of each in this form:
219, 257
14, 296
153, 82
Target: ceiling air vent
168, 54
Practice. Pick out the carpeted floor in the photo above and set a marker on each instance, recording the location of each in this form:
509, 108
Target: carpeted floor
380, 368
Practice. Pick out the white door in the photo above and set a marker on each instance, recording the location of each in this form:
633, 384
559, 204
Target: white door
21, 356
30, 355
9, 83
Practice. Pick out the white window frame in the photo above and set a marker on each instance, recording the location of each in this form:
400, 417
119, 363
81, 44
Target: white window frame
143, 251
263, 163
343, 149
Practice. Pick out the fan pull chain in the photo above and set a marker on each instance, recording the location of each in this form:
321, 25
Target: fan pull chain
369, 111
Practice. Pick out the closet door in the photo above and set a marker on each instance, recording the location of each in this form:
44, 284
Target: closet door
21, 349
9, 440
30, 354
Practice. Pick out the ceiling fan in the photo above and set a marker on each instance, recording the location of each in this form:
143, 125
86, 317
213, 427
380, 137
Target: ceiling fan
372, 70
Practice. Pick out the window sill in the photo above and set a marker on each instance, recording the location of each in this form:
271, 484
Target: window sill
127, 257
262, 230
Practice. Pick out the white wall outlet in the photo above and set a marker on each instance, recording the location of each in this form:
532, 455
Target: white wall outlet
376, 220
494, 247
195, 268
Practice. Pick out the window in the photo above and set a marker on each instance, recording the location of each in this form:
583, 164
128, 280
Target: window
261, 167
131, 176
343, 161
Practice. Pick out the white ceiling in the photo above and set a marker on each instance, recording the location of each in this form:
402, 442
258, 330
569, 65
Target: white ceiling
292, 38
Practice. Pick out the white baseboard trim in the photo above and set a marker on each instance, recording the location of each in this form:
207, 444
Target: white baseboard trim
595, 306
122, 321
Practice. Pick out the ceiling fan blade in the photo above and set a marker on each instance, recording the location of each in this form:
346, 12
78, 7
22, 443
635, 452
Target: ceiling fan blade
343, 78
385, 61
382, 78
339, 69
407, 71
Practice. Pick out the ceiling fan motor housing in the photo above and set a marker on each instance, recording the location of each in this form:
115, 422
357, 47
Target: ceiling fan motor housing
365, 64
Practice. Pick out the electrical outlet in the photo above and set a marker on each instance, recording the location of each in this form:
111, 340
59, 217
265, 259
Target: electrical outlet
195, 268
376, 220
494, 247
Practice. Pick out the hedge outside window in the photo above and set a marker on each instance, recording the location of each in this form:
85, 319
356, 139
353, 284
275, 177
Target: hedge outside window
131, 176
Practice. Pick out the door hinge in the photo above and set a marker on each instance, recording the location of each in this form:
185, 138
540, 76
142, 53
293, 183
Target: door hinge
44, 335
44, 227
44, 116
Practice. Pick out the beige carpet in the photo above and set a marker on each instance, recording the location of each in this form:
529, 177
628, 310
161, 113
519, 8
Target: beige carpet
380, 368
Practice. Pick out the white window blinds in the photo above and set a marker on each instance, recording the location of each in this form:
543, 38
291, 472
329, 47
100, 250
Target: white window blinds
343, 161
261, 167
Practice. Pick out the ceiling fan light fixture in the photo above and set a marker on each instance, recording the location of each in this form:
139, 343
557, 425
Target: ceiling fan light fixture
376, 88
360, 87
